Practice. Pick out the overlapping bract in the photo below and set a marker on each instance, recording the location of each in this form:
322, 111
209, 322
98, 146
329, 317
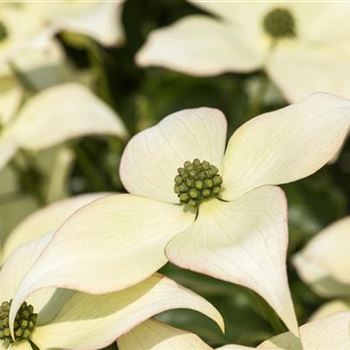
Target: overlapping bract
329, 333
75, 320
243, 240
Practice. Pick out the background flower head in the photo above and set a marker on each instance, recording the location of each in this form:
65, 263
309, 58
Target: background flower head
301, 47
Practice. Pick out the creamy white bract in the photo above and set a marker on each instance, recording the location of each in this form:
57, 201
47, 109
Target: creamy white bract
54, 116
28, 28
312, 56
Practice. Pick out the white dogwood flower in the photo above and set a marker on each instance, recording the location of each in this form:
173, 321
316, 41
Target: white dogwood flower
197, 206
55, 115
26, 27
100, 20
67, 319
302, 47
329, 333
27, 39
20, 31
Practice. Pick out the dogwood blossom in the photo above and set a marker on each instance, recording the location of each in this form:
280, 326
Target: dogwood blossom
45, 120
329, 333
100, 20
194, 204
27, 40
26, 27
67, 319
20, 32
302, 47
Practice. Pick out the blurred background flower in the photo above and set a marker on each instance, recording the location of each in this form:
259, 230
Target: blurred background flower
303, 48
49, 48
40, 87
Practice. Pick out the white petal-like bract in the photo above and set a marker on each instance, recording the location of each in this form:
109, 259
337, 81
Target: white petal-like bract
243, 242
89, 322
63, 112
285, 145
200, 45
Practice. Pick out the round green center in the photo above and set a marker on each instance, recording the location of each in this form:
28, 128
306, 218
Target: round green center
279, 23
197, 181
24, 323
3, 32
